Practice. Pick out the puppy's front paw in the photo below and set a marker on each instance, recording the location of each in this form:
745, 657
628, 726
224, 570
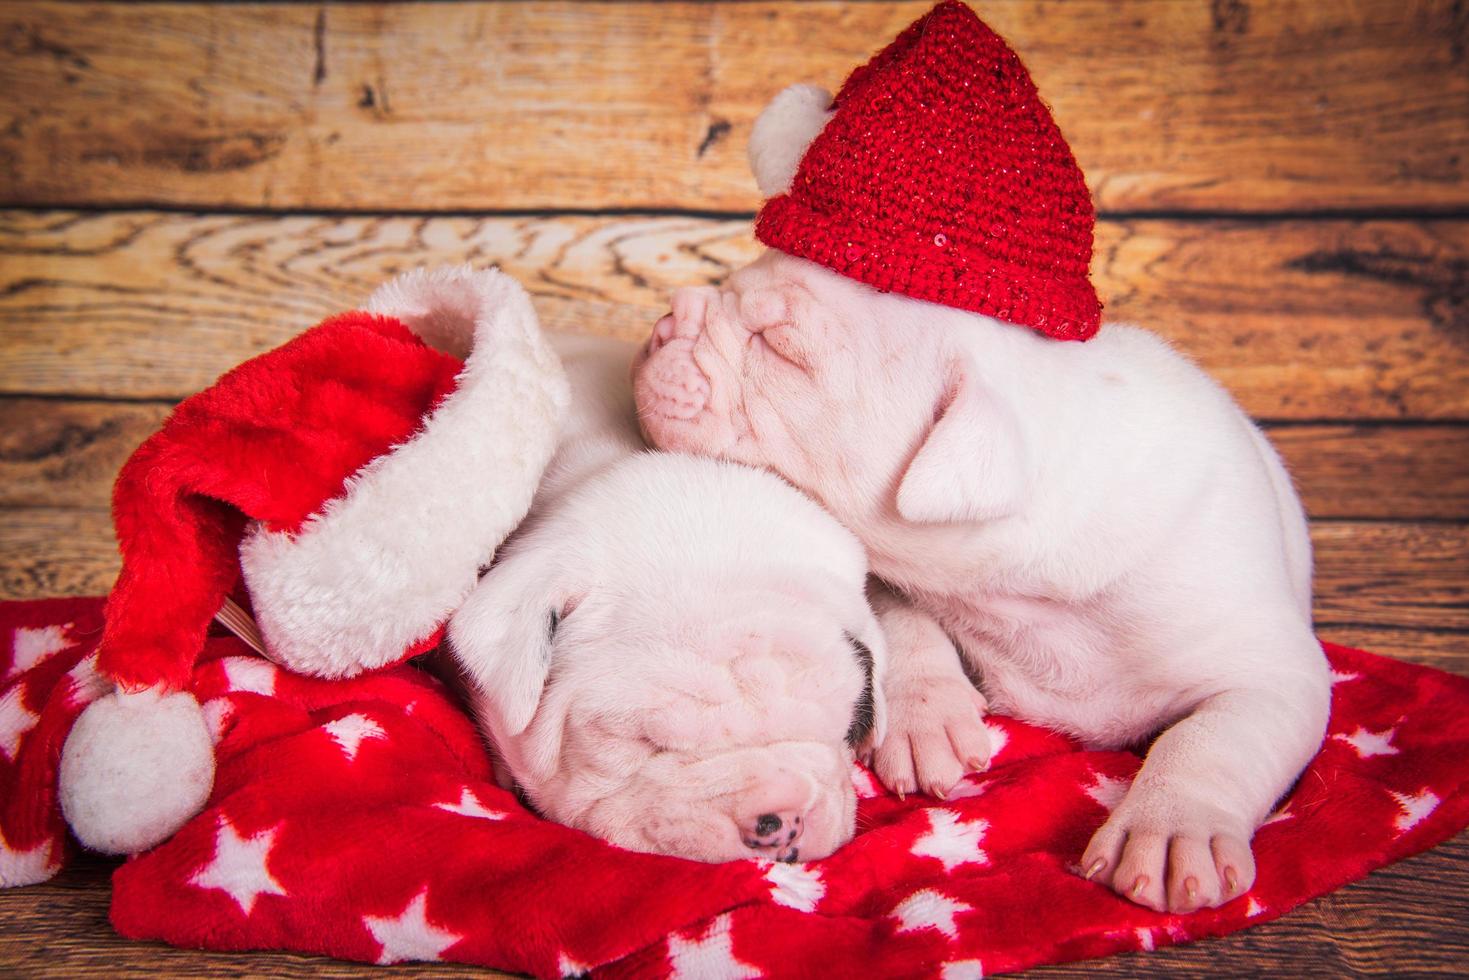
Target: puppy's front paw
1172, 853
935, 735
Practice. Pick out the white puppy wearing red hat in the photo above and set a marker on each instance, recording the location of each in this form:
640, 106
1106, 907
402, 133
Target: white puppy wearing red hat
1113, 546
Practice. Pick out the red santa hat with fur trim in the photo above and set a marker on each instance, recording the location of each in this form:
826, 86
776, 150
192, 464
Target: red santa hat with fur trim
355, 480
936, 172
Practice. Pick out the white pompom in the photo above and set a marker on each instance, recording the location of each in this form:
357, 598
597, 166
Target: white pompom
134, 769
780, 136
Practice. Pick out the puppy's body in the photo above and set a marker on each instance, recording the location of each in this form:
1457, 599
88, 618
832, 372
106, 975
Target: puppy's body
664, 653
1113, 545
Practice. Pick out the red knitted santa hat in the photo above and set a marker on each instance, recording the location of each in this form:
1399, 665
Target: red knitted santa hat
356, 479
936, 172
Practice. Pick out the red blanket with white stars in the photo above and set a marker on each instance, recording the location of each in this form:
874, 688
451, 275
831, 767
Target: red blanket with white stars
359, 819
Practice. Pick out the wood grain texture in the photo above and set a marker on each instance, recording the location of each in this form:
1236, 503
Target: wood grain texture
1300, 319
1431, 648
1385, 575
1169, 104
63, 453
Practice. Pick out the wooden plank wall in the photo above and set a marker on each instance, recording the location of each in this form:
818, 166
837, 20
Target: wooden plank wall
1283, 188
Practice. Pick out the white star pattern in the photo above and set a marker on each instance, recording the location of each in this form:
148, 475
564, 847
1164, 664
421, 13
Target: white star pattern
469, 805
32, 645
998, 738
1342, 676
968, 787
349, 731
864, 784
796, 886
217, 715
250, 675
87, 684
1144, 938
568, 967
25, 867
1108, 791
408, 935
963, 970
928, 909
15, 721
951, 841
239, 866
1415, 807
1369, 744
1254, 909
708, 957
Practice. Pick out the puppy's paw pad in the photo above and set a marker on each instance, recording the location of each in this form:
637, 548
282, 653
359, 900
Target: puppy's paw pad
936, 734
1171, 858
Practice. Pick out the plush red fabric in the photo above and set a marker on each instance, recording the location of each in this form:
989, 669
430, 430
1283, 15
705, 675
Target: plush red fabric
358, 819
270, 440
942, 176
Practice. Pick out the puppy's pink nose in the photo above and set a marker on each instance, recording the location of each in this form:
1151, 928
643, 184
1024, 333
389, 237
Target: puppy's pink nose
776, 834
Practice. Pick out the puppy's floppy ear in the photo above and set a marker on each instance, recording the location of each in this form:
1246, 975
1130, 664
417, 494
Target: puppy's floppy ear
503, 634
868, 638
971, 465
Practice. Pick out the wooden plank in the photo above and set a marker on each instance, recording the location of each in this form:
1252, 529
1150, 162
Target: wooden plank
1300, 319
1446, 651
67, 453
1387, 574
1295, 105
1383, 575
49, 552
1378, 471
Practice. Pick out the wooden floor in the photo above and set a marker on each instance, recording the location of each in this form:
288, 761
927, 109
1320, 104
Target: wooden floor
1283, 189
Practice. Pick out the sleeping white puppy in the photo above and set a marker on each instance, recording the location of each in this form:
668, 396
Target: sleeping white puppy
674, 653
1115, 548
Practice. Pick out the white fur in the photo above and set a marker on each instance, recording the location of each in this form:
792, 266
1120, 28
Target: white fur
134, 769
381, 567
1113, 544
700, 674
782, 132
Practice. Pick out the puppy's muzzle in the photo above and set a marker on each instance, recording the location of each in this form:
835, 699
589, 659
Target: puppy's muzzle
775, 835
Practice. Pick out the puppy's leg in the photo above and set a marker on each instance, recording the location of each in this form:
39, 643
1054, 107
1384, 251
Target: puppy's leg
935, 731
1180, 839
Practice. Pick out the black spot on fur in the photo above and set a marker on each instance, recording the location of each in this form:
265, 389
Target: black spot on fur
863, 716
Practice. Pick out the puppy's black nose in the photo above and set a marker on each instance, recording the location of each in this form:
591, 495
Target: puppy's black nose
774, 833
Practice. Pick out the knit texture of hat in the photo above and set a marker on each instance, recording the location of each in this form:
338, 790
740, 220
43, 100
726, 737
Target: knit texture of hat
942, 176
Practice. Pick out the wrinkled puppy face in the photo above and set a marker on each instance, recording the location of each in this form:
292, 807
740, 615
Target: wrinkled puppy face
727, 731
678, 695
794, 368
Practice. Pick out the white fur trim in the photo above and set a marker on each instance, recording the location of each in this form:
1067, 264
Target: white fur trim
781, 134
134, 769
381, 567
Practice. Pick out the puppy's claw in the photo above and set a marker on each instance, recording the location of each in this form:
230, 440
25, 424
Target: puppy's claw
1231, 880
1138, 886
1095, 869
1191, 886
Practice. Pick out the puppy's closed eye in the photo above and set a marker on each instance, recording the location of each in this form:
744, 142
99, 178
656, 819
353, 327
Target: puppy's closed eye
864, 711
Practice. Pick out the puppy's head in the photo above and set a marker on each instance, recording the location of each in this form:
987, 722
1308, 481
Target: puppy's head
680, 659
858, 397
